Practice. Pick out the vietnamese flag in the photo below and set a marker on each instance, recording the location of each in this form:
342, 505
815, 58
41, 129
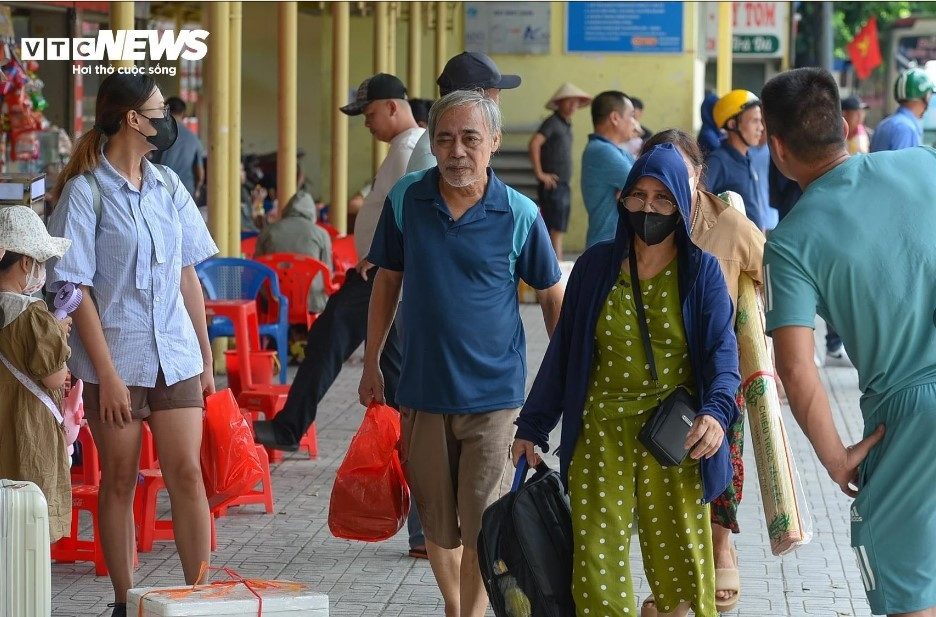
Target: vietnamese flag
864, 50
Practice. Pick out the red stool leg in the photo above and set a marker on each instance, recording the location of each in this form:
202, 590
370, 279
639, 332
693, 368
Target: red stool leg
310, 442
147, 524
267, 490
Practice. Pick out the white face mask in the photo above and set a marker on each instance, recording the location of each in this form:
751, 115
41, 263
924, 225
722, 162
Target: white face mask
34, 281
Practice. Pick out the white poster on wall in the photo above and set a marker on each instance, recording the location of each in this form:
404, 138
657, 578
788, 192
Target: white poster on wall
507, 27
759, 29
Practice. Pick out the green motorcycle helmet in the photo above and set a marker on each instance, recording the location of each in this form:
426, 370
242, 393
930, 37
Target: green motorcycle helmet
913, 84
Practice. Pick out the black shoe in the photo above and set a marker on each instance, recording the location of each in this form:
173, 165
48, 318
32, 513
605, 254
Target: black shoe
265, 435
120, 609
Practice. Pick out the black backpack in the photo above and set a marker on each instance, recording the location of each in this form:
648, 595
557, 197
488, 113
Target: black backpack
525, 548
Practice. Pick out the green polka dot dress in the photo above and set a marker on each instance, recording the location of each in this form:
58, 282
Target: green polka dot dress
612, 476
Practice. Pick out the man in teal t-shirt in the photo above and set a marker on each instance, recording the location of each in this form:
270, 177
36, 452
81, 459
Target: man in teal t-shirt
606, 163
859, 249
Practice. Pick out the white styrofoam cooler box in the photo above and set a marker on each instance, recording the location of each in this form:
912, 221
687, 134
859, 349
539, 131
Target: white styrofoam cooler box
235, 601
25, 564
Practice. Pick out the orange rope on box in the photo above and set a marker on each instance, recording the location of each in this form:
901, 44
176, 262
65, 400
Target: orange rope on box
222, 588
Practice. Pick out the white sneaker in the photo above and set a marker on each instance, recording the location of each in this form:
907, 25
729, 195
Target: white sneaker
839, 357
818, 359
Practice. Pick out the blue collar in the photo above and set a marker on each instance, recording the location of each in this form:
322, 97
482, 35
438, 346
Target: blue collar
903, 110
624, 153
494, 198
735, 153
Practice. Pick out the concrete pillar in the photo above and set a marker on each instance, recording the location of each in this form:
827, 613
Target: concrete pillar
440, 53
218, 119
381, 65
392, 17
288, 94
725, 50
121, 18
414, 63
234, 145
341, 52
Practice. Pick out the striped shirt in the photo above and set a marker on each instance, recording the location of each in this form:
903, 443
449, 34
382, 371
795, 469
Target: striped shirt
133, 260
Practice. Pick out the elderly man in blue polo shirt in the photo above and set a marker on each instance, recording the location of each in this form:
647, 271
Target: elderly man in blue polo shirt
904, 129
460, 240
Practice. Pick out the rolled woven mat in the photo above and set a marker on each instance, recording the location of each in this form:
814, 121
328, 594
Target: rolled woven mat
788, 522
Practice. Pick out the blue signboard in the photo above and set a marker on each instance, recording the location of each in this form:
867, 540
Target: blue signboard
624, 27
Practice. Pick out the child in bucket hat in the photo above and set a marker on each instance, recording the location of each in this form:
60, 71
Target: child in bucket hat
33, 351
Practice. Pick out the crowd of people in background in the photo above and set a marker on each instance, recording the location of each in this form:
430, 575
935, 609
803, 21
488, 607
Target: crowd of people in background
648, 313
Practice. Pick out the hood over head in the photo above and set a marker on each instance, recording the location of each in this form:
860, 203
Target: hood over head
302, 204
707, 110
665, 163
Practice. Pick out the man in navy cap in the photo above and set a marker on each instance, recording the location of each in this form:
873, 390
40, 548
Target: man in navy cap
469, 70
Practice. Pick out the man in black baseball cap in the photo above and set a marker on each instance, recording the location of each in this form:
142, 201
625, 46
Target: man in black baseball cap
380, 87
469, 70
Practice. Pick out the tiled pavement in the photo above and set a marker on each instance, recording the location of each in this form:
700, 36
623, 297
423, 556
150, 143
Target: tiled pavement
820, 578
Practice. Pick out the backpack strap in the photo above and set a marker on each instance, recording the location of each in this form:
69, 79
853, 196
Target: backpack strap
96, 190
95, 196
165, 175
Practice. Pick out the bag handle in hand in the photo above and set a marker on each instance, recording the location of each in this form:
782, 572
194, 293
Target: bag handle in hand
521, 473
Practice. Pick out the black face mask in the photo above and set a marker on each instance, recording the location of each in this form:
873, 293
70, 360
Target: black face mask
167, 131
651, 227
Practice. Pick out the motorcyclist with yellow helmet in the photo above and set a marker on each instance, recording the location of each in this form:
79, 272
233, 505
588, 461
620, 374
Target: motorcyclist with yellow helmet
729, 168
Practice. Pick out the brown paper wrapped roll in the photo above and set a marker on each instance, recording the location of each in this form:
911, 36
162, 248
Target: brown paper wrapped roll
787, 522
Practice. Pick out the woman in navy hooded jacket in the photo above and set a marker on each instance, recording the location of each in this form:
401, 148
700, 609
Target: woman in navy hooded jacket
596, 377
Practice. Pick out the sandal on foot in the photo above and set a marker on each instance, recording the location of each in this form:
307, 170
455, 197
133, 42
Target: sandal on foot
419, 553
648, 611
651, 610
727, 579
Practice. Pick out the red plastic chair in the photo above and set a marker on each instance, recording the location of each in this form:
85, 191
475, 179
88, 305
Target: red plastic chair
264, 495
89, 472
148, 528
249, 246
73, 548
331, 229
344, 257
296, 272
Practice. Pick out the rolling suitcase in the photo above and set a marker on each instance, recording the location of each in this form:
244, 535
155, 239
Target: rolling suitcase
525, 548
25, 565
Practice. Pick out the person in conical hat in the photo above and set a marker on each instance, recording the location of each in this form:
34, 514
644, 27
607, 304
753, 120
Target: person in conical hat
575, 97
551, 156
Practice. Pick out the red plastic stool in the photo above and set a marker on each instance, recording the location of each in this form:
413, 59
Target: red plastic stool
72, 548
89, 472
309, 441
148, 459
264, 495
270, 400
149, 528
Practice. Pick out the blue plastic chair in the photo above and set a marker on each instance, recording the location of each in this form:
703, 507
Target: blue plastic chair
230, 278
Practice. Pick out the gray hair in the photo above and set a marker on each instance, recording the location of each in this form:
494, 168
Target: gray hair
463, 98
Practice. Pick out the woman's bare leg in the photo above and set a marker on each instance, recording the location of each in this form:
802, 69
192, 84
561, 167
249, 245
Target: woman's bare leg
119, 450
178, 434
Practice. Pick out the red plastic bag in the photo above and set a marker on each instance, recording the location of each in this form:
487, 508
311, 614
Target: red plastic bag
370, 499
230, 465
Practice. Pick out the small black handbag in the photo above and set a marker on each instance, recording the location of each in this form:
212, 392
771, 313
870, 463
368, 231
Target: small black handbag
665, 432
